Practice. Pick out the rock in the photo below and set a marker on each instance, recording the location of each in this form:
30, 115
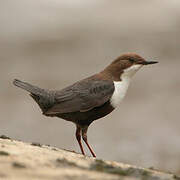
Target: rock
19, 160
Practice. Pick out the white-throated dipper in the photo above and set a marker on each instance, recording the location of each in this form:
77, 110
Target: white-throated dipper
91, 98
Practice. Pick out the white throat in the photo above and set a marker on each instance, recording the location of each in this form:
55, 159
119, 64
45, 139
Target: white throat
121, 87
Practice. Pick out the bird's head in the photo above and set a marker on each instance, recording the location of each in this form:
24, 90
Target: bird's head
127, 65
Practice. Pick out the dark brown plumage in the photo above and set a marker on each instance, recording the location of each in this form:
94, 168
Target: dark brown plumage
86, 100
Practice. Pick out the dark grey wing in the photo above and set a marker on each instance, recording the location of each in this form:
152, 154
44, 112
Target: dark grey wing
82, 96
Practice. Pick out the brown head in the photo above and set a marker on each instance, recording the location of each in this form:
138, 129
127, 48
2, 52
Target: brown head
126, 65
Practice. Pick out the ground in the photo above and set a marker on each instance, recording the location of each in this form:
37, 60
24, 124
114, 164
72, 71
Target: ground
20, 160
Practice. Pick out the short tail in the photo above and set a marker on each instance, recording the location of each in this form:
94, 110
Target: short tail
28, 87
44, 98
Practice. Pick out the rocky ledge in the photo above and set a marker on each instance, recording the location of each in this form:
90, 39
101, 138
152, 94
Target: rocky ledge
20, 160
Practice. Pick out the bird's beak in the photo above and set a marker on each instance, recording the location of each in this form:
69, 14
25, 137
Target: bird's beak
149, 62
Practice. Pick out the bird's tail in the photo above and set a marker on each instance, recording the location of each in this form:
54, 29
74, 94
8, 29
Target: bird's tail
28, 87
44, 98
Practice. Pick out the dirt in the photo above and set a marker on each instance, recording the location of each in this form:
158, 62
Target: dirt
20, 160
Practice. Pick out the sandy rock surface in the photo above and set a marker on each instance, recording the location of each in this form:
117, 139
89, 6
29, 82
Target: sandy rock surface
19, 160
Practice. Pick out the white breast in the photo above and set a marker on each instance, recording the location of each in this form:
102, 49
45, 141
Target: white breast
119, 92
121, 87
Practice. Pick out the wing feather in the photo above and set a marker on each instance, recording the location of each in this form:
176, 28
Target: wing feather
82, 96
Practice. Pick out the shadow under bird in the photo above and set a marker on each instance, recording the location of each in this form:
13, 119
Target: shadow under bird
91, 98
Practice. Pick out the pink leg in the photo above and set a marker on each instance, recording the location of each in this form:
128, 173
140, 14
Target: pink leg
84, 136
78, 137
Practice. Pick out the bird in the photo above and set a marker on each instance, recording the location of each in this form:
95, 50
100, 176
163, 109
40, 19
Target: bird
91, 98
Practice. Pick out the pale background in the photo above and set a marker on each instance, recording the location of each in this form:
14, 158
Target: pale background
53, 43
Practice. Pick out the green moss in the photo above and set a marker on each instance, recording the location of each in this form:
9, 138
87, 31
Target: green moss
36, 144
65, 162
4, 137
4, 153
18, 165
176, 177
145, 173
101, 166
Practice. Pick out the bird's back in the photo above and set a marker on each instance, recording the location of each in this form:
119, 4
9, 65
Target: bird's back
82, 102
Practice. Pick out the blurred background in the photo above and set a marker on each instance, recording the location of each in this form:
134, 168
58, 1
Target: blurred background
53, 43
